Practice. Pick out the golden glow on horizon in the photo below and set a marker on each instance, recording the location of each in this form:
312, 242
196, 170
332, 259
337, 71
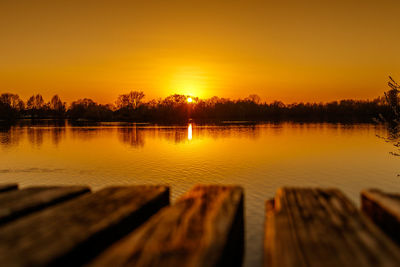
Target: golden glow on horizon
289, 50
189, 79
189, 100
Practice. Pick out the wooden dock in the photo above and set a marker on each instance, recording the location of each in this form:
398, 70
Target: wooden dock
321, 227
137, 226
384, 210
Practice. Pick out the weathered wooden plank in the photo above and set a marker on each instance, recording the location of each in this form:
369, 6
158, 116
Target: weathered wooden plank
321, 227
17, 203
70, 233
384, 210
8, 187
203, 228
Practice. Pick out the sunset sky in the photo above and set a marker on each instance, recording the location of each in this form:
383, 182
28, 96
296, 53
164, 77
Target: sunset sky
286, 50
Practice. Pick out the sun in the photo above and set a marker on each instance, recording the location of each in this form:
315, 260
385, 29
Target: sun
189, 100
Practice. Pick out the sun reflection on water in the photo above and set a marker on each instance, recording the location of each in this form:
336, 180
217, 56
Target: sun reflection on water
190, 131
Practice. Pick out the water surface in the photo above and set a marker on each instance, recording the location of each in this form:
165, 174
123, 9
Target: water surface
260, 157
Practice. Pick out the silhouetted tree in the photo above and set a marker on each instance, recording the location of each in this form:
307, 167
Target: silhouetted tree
392, 121
254, 98
57, 106
13, 101
87, 109
130, 100
392, 96
11, 106
36, 106
35, 102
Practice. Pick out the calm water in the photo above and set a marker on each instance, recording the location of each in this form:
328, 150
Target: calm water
261, 158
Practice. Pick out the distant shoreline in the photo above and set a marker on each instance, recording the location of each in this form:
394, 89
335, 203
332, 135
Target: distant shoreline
183, 108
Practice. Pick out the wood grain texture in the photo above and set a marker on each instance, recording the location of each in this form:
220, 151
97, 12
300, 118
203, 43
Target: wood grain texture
8, 187
384, 210
321, 227
17, 203
203, 228
71, 233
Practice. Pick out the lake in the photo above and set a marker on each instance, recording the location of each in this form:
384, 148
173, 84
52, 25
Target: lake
261, 158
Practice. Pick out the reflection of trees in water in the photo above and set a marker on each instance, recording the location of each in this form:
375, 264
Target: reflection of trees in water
176, 135
57, 134
132, 136
89, 133
181, 134
10, 136
217, 132
35, 136
38, 135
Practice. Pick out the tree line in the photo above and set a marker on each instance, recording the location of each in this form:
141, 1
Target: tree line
176, 108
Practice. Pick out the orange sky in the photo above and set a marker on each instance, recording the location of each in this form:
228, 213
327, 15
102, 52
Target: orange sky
287, 50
